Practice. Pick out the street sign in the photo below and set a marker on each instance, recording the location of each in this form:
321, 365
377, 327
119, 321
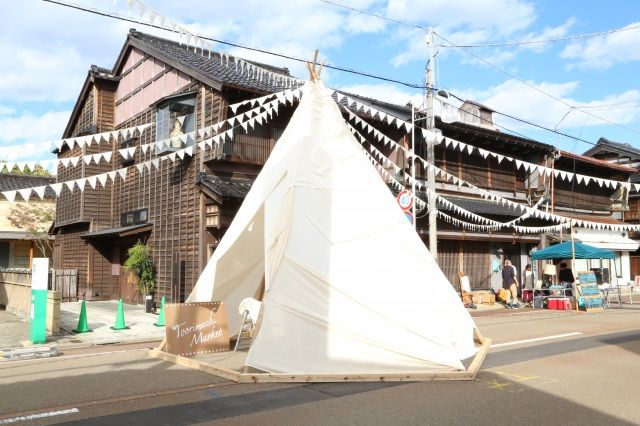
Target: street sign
409, 216
196, 328
405, 200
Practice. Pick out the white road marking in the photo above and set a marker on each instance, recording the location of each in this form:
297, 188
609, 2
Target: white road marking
39, 416
518, 342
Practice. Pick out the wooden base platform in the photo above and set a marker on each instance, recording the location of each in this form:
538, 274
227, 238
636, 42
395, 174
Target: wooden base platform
231, 366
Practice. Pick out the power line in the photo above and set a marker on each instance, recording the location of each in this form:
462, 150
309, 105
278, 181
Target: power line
521, 120
537, 88
462, 47
228, 43
364, 12
548, 40
365, 74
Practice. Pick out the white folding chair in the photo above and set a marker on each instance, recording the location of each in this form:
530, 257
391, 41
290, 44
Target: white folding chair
249, 308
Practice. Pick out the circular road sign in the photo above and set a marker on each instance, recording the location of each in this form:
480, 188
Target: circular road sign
405, 200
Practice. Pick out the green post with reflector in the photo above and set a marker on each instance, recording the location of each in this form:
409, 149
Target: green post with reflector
39, 281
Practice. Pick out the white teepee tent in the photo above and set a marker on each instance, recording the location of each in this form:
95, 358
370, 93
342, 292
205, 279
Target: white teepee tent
349, 286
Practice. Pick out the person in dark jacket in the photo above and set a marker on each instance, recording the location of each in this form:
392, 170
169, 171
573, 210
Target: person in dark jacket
566, 274
509, 282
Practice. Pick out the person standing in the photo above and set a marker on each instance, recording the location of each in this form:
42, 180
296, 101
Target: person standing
566, 274
510, 283
527, 283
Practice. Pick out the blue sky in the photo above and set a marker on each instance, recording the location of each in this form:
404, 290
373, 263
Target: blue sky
46, 50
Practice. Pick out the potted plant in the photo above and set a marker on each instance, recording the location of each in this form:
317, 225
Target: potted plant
139, 263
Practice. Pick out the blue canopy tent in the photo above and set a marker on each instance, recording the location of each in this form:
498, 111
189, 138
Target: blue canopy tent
580, 251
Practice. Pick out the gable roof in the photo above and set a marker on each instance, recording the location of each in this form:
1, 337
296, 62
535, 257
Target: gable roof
13, 182
607, 145
216, 71
94, 73
231, 188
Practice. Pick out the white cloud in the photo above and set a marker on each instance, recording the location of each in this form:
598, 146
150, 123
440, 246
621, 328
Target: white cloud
359, 24
465, 22
603, 52
518, 100
6, 110
49, 125
385, 92
502, 17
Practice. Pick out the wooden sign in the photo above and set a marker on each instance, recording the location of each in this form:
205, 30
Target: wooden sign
196, 328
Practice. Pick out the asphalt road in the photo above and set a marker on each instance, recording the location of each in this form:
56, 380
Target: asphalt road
589, 375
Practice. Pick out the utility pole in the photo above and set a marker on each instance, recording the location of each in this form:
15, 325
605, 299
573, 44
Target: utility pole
430, 125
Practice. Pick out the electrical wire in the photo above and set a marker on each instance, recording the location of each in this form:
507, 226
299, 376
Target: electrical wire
548, 40
462, 47
364, 12
228, 43
365, 74
526, 83
521, 120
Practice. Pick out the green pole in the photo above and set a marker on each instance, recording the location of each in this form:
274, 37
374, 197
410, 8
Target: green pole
39, 280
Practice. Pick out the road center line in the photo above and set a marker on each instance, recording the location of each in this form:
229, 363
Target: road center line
518, 342
39, 416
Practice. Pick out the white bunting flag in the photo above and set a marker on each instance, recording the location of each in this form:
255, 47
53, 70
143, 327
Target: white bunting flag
57, 188
123, 173
80, 182
25, 194
102, 178
92, 181
9, 195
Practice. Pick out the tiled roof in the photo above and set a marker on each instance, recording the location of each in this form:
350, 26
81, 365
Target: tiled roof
605, 144
12, 182
118, 231
222, 70
231, 188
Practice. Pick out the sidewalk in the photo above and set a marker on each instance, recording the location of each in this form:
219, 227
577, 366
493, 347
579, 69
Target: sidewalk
101, 315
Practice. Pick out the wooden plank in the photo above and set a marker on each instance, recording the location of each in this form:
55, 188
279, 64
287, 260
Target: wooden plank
342, 378
195, 364
475, 365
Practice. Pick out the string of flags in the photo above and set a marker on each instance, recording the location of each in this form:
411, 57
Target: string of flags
81, 141
246, 119
562, 222
121, 174
205, 48
450, 143
380, 161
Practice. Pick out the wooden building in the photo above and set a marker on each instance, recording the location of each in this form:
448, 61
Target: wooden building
625, 155
480, 254
182, 209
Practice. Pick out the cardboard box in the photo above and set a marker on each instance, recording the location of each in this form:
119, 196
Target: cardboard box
488, 298
477, 299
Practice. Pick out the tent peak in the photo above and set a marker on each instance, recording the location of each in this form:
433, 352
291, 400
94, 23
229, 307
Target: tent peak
314, 75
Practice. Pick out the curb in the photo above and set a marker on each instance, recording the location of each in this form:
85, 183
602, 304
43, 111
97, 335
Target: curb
33, 352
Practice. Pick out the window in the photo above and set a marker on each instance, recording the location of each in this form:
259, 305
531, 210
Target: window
174, 119
135, 217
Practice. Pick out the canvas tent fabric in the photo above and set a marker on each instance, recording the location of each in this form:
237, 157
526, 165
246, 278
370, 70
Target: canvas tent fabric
564, 251
349, 287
